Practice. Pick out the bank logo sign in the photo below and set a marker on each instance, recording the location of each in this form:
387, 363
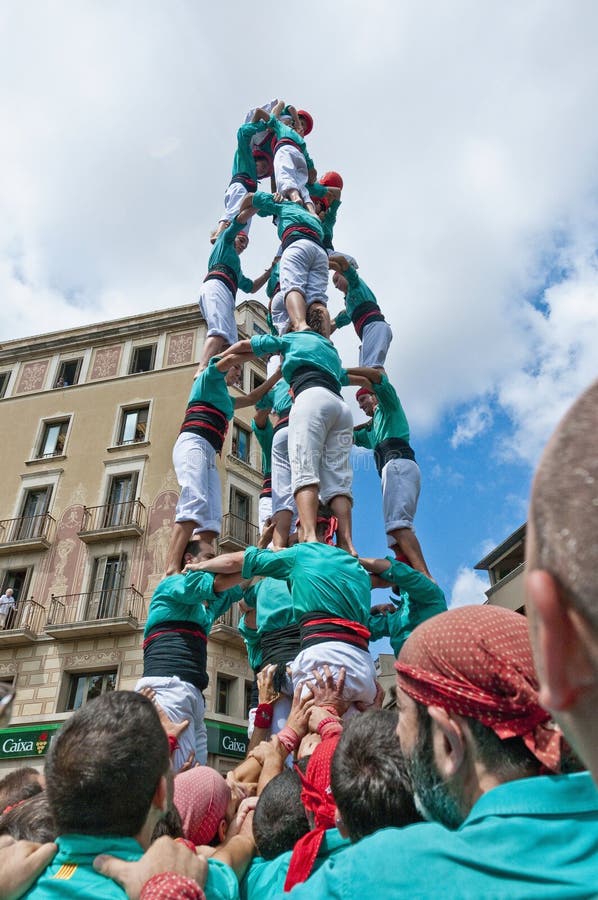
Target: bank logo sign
28, 741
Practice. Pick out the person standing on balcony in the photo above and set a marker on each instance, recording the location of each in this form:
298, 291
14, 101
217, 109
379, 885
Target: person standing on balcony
7, 605
209, 409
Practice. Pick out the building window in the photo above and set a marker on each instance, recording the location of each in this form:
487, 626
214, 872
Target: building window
4, 379
32, 519
53, 439
240, 443
107, 587
256, 380
143, 359
120, 502
68, 373
247, 699
19, 580
133, 425
85, 686
223, 694
240, 504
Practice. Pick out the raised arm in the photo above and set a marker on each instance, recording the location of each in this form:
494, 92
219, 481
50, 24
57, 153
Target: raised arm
261, 280
227, 564
277, 110
260, 115
373, 375
257, 393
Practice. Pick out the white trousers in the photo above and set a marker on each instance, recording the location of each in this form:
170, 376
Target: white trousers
182, 700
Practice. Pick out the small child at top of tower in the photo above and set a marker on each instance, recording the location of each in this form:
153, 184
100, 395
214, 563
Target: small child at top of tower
293, 166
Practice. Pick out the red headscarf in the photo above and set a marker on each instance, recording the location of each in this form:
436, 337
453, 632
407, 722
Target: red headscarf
316, 797
201, 796
477, 661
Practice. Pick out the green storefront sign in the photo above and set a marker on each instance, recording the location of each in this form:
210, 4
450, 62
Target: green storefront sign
227, 740
33, 740
23, 741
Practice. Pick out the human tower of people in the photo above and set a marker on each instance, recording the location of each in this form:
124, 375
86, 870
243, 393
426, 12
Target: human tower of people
333, 789
306, 596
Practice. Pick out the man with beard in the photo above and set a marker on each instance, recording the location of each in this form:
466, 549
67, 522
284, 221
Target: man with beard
476, 743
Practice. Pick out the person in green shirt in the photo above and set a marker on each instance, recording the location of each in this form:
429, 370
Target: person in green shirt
361, 308
210, 407
264, 431
387, 434
475, 741
250, 165
219, 288
108, 783
293, 166
303, 260
420, 598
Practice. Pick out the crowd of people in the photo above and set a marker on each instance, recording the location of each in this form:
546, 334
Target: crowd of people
474, 781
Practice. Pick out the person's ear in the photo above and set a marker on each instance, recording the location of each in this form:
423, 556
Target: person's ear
338, 821
558, 636
160, 798
221, 830
448, 741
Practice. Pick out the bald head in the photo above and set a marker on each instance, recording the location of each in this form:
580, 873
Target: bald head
563, 520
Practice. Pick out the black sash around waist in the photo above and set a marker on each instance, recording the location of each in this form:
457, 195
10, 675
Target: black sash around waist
266, 490
391, 448
298, 233
365, 313
307, 377
245, 180
280, 646
321, 627
177, 648
207, 421
283, 421
226, 275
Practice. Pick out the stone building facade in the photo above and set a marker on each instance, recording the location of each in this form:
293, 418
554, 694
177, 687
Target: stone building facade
89, 417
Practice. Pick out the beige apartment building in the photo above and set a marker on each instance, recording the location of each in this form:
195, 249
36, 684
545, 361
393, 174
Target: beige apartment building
505, 566
87, 498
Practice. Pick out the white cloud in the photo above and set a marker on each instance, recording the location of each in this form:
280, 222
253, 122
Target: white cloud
467, 171
469, 588
473, 423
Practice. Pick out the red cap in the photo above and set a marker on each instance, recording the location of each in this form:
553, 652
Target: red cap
261, 154
332, 179
307, 120
363, 392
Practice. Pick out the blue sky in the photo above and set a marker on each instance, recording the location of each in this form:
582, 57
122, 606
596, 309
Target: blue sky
467, 138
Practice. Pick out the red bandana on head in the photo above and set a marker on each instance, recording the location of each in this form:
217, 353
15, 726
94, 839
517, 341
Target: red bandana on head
316, 797
477, 661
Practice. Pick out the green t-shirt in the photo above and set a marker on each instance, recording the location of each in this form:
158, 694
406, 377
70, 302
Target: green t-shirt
210, 387
273, 281
273, 602
357, 294
189, 598
281, 399
71, 872
320, 577
244, 162
266, 877
389, 419
285, 132
302, 348
288, 214
225, 254
264, 437
253, 643
328, 223
421, 599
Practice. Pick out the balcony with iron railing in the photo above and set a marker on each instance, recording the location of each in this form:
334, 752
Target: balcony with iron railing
237, 533
114, 610
26, 533
226, 628
112, 521
22, 624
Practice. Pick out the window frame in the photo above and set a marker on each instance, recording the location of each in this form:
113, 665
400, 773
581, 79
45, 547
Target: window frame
4, 382
223, 679
134, 356
71, 686
46, 425
235, 431
126, 411
78, 361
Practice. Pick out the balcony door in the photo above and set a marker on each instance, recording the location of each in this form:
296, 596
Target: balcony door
121, 500
32, 519
108, 585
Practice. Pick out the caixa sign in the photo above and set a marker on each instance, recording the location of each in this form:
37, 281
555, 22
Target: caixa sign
16, 743
226, 740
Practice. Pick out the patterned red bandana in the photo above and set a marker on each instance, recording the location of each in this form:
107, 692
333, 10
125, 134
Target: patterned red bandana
477, 661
